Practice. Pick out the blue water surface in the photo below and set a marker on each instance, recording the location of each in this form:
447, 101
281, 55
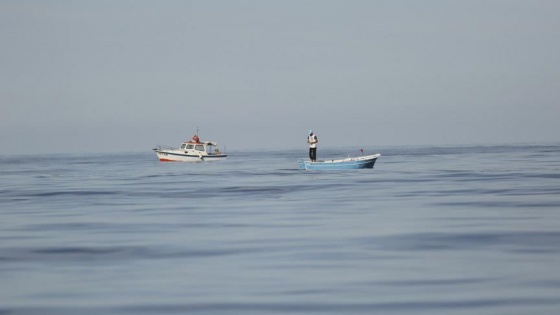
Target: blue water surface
429, 230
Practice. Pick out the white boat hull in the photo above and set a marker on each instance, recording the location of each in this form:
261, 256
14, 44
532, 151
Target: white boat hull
180, 156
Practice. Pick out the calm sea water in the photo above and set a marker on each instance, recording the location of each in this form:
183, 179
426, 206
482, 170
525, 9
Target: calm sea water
446, 230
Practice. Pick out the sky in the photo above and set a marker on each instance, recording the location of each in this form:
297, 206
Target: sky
123, 76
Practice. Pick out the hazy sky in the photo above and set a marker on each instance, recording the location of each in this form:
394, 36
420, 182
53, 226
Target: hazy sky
110, 76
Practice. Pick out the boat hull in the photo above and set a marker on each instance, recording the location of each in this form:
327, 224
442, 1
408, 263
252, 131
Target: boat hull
341, 164
173, 156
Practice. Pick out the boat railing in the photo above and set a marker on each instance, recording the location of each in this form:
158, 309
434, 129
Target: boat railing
163, 147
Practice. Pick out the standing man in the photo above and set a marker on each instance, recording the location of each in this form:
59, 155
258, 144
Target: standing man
312, 140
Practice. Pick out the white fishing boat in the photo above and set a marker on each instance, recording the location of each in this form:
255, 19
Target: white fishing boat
190, 151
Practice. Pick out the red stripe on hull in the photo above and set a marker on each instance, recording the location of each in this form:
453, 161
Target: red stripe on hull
167, 160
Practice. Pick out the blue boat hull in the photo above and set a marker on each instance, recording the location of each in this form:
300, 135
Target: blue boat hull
342, 164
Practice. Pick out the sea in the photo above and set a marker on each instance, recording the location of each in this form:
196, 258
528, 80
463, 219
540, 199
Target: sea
429, 230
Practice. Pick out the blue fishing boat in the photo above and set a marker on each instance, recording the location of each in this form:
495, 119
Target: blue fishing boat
341, 164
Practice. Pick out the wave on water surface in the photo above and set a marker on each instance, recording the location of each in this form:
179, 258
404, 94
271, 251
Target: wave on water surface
462, 230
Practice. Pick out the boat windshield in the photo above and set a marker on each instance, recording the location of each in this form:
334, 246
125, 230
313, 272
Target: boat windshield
190, 146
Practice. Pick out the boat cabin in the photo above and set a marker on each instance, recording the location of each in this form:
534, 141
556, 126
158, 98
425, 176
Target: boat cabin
201, 148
